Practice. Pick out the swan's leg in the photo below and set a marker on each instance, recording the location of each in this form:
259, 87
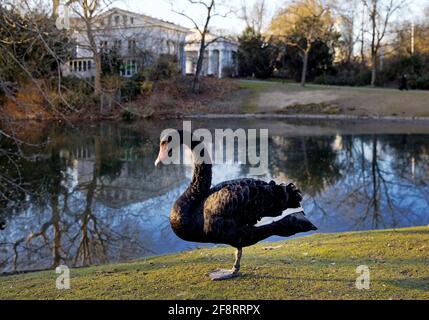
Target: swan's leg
236, 266
222, 274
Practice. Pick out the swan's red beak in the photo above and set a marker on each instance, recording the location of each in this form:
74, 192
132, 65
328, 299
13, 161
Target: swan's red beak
162, 154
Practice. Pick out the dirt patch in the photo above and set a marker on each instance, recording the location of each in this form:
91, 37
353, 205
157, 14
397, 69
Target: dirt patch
277, 100
311, 108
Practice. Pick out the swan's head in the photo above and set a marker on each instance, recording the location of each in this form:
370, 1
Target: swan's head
165, 145
171, 139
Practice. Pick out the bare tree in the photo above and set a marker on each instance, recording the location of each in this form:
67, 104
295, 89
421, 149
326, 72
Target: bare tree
254, 16
380, 13
211, 8
89, 12
347, 13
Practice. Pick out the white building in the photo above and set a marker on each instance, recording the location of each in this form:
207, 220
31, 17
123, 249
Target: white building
139, 39
220, 56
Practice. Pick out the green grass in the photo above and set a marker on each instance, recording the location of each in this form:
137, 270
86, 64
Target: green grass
321, 266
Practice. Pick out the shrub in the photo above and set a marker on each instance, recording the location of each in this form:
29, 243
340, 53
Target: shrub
165, 67
128, 114
75, 84
133, 112
361, 79
146, 86
112, 82
130, 89
228, 72
422, 82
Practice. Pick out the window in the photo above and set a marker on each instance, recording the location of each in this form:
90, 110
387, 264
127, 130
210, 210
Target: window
116, 20
132, 20
84, 65
71, 66
75, 66
125, 19
80, 66
132, 46
117, 44
89, 64
74, 51
129, 68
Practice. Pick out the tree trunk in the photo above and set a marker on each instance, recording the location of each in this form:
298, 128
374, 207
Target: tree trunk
96, 54
55, 6
97, 77
374, 69
304, 68
196, 82
374, 43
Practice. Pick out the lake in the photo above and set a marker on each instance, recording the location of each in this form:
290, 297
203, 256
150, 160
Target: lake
90, 194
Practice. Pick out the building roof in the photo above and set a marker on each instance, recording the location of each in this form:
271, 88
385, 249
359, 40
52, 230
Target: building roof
147, 18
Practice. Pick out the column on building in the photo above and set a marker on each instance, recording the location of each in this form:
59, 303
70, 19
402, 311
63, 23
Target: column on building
221, 61
210, 62
182, 58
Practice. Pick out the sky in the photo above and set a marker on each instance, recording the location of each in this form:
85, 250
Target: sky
162, 9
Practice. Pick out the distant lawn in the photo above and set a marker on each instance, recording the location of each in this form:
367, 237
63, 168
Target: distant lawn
321, 266
286, 97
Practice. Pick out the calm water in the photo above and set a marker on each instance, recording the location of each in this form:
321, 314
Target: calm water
90, 194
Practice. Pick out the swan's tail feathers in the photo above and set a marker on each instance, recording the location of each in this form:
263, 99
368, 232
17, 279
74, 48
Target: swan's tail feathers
292, 224
294, 196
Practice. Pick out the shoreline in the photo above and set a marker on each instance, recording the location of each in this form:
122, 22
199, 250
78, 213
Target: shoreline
276, 116
304, 116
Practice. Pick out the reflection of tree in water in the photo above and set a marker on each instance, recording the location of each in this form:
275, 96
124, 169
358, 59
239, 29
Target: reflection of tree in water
310, 162
411, 154
378, 187
357, 182
66, 224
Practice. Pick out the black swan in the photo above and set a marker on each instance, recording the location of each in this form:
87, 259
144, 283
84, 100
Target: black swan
228, 212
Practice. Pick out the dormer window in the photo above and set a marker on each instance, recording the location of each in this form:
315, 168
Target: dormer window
103, 45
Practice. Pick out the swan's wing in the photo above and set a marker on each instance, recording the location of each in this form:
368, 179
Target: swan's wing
243, 202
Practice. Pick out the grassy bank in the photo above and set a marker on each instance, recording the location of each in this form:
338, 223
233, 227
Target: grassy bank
291, 98
321, 266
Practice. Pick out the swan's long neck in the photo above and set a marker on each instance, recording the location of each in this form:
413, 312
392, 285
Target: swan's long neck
201, 178
186, 217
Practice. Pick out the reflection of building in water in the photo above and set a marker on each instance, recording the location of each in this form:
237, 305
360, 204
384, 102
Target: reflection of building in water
133, 180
